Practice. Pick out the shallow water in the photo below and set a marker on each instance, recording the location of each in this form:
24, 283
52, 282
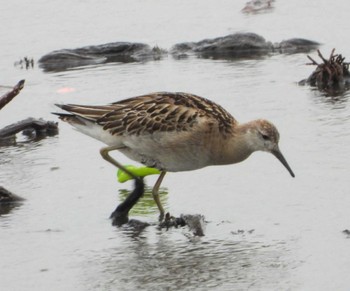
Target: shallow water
265, 230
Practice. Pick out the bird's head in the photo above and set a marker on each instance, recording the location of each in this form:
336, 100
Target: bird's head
264, 136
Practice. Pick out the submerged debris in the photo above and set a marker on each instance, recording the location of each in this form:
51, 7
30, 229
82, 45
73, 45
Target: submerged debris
195, 223
25, 63
8, 197
242, 231
33, 129
331, 76
8, 201
346, 232
255, 6
120, 216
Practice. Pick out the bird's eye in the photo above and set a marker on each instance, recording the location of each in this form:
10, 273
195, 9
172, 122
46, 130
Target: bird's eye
265, 137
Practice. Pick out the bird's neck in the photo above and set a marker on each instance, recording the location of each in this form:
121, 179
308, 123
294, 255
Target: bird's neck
237, 147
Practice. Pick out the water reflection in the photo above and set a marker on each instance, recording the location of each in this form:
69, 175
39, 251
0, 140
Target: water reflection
146, 205
22, 163
22, 154
332, 98
16, 162
165, 263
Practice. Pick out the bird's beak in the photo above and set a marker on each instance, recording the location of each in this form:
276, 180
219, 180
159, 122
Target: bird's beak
277, 153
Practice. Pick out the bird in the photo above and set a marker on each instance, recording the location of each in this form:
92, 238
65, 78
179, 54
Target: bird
172, 132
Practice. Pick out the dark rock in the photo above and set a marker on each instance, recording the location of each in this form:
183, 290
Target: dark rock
240, 45
196, 223
255, 6
8, 201
237, 45
8, 197
123, 52
296, 45
230, 46
346, 232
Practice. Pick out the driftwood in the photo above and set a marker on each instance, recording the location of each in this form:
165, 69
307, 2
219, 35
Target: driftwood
332, 75
6, 196
6, 98
34, 128
31, 127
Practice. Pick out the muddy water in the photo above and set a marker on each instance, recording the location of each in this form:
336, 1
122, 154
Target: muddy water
265, 230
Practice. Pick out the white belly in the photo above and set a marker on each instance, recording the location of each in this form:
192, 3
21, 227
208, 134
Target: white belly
166, 152
172, 151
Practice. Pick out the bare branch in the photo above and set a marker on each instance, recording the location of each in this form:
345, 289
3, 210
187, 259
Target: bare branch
313, 62
7, 97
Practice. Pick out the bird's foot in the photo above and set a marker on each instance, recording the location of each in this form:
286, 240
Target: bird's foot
161, 217
171, 221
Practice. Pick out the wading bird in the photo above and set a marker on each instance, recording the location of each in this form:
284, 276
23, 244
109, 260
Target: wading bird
171, 132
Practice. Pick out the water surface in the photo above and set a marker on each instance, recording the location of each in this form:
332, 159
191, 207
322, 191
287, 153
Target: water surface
265, 230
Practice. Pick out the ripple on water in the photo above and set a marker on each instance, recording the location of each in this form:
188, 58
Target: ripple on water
165, 263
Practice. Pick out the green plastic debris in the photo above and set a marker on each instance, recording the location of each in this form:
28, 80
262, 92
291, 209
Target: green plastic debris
138, 171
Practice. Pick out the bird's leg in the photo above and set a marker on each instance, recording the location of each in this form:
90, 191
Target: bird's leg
155, 194
120, 214
105, 154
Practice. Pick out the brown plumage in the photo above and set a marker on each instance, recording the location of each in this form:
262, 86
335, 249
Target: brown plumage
163, 111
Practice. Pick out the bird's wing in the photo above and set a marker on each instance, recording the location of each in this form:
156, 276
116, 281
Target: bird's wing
164, 112
154, 112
